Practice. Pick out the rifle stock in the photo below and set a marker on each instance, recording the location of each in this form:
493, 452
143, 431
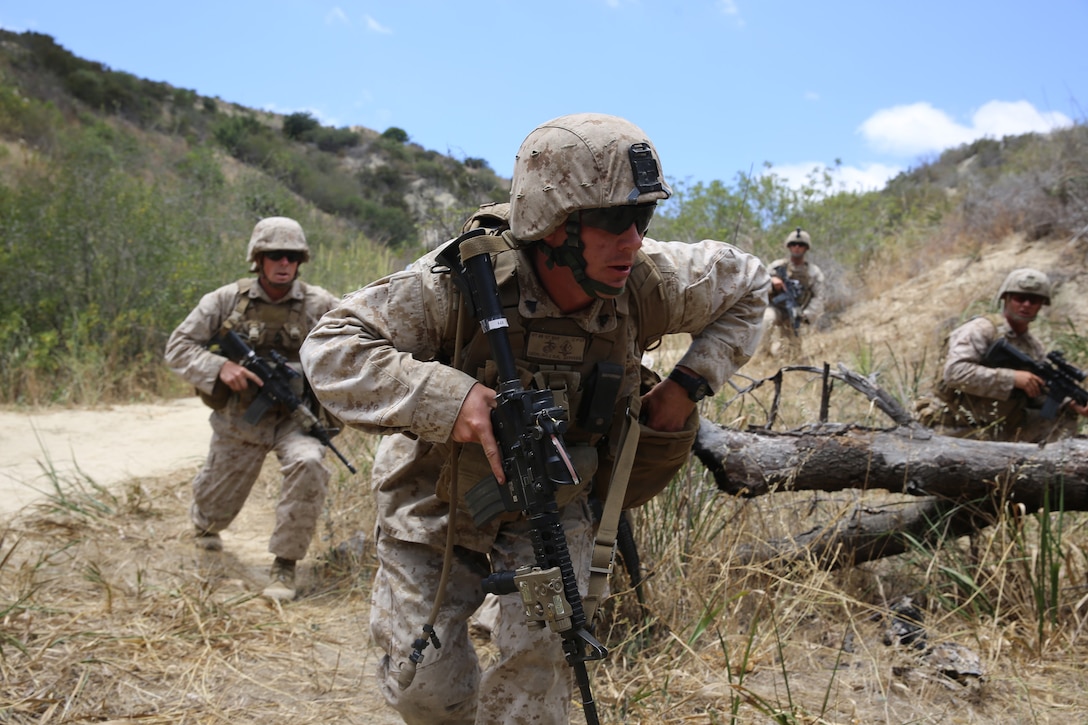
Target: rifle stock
1060, 377
529, 427
789, 299
276, 389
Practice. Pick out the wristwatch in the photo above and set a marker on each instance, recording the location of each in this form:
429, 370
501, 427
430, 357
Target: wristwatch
696, 386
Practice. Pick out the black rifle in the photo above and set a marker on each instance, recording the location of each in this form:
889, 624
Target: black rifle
789, 299
1060, 377
529, 427
276, 375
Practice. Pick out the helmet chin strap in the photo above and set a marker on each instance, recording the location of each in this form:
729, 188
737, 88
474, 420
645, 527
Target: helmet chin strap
569, 254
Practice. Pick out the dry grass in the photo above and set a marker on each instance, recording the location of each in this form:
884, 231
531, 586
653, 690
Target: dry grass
107, 613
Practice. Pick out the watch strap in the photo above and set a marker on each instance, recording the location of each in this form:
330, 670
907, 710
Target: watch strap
695, 385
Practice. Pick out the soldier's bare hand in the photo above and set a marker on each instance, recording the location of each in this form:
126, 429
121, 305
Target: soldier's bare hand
1030, 383
473, 425
666, 407
777, 283
237, 377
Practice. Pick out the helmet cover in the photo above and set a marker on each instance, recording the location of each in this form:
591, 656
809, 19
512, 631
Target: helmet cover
276, 233
1025, 281
581, 161
798, 235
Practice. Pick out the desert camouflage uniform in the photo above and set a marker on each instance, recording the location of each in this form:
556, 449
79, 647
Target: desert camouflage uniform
238, 448
982, 402
379, 362
776, 323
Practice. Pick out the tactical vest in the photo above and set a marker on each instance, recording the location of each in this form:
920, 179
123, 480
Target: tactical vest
594, 376
264, 327
951, 396
801, 274
267, 326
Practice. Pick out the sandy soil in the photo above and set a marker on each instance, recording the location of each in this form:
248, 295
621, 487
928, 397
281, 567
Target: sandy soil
107, 445
146, 455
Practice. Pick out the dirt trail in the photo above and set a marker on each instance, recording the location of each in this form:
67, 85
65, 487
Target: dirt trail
157, 448
106, 445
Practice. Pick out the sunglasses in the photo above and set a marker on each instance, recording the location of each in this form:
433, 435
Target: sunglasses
618, 219
1020, 298
277, 255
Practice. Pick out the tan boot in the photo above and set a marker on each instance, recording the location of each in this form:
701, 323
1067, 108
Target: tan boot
208, 540
281, 584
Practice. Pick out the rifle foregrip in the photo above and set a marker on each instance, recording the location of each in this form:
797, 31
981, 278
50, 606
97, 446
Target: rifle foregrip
550, 545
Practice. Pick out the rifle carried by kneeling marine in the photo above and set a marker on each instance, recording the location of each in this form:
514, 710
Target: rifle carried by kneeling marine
1060, 377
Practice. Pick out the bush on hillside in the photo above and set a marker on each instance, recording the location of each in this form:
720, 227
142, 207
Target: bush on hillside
396, 135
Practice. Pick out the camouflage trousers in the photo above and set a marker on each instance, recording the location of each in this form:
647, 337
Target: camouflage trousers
530, 682
779, 339
234, 462
1015, 424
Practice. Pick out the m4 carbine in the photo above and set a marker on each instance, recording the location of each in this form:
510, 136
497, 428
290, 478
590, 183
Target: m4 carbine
1060, 377
276, 374
529, 428
789, 299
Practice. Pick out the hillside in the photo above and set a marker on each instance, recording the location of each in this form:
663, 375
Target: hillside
122, 200
395, 191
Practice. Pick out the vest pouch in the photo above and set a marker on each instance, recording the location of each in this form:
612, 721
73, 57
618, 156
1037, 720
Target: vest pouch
485, 502
660, 454
218, 398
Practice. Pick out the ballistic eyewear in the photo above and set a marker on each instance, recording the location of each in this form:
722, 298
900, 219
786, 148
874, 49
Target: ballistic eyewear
618, 219
277, 255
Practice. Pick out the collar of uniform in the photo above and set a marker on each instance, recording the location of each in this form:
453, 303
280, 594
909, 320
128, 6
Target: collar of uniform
601, 316
296, 292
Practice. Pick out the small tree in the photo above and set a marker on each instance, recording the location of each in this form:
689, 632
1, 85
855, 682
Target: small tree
395, 134
298, 124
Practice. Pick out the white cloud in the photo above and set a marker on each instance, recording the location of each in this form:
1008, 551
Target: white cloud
730, 9
843, 178
376, 27
920, 128
336, 15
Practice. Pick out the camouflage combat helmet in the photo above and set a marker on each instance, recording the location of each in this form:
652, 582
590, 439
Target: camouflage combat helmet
276, 233
581, 162
1025, 281
798, 235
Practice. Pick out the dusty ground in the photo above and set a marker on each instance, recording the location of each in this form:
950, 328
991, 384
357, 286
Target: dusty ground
107, 445
150, 630
145, 456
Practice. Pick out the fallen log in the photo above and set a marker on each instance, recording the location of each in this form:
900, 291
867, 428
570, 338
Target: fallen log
906, 459
962, 484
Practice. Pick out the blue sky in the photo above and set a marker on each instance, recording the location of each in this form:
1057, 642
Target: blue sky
720, 86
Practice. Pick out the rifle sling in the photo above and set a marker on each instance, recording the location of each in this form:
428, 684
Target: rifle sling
604, 547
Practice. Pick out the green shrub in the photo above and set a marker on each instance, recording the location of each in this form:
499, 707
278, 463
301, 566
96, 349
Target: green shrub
296, 125
397, 135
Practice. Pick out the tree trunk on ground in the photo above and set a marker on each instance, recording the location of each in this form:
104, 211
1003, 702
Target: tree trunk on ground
962, 483
907, 459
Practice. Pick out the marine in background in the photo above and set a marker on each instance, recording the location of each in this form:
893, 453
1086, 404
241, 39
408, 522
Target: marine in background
272, 312
979, 401
797, 298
